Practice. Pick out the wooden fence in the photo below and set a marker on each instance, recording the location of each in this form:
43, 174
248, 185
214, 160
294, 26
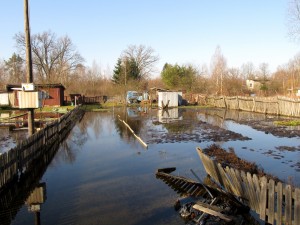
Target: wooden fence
273, 105
275, 203
13, 198
19, 159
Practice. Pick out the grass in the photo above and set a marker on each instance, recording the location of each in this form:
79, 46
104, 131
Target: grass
288, 123
59, 109
194, 106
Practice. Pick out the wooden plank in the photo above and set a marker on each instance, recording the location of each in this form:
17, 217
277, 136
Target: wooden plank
192, 188
247, 189
278, 215
253, 197
200, 192
188, 186
195, 190
288, 205
240, 180
263, 198
224, 178
236, 182
257, 186
184, 185
297, 206
271, 195
206, 208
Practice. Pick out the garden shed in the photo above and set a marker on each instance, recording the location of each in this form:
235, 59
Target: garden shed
169, 99
53, 94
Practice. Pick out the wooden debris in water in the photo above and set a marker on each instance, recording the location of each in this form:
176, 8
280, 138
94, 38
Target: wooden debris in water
132, 131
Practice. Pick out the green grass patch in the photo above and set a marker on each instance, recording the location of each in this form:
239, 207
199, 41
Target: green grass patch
194, 106
59, 109
288, 123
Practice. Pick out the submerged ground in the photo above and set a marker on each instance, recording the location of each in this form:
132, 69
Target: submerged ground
102, 175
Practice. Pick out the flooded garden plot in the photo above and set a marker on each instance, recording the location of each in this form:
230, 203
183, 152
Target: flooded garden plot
101, 174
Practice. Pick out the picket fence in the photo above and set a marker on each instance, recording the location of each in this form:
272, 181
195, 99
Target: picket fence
19, 159
271, 105
276, 203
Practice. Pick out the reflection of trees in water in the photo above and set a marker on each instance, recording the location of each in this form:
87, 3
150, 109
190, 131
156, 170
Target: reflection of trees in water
13, 198
72, 144
98, 121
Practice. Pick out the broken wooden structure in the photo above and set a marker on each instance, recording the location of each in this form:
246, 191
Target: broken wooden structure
207, 200
275, 203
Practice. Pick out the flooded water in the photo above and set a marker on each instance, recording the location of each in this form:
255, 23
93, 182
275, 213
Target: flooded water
102, 175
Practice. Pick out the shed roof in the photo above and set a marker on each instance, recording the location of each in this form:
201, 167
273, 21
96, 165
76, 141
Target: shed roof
10, 86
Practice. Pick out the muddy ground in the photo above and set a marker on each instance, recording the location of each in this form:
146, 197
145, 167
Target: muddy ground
195, 130
182, 130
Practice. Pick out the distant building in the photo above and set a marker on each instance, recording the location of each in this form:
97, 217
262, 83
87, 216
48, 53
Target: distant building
255, 84
294, 92
53, 94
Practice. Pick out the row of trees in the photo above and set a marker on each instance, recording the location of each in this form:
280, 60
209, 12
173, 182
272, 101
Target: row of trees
219, 79
55, 60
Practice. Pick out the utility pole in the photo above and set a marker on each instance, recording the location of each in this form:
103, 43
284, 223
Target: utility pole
29, 76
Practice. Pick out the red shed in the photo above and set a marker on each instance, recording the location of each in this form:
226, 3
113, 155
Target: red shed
54, 93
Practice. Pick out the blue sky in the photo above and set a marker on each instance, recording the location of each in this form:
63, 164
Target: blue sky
180, 31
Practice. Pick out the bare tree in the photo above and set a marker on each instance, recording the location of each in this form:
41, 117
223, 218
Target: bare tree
53, 59
3, 75
294, 19
248, 70
279, 81
294, 72
234, 82
264, 71
144, 58
219, 69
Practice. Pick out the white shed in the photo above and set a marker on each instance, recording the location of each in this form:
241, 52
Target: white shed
30, 99
4, 99
174, 99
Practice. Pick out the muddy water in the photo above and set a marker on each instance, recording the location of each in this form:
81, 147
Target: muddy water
102, 175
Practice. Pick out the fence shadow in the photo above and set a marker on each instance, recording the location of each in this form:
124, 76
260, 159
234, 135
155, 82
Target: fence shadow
22, 167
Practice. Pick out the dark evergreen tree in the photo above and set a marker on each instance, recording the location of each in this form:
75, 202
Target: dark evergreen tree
117, 72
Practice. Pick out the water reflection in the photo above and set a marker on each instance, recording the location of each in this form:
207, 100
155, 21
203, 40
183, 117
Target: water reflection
35, 200
132, 118
168, 115
10, 138
97, 172
13, 129
27, 189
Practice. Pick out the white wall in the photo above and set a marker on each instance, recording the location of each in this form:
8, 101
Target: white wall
4, 99
165, 96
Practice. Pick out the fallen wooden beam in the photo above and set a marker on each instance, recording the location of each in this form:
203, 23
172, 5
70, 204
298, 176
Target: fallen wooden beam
212, 210
132, 131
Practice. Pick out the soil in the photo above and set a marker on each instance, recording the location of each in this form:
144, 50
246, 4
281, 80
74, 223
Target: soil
181, 131
268, 126
232, 160
203, 131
